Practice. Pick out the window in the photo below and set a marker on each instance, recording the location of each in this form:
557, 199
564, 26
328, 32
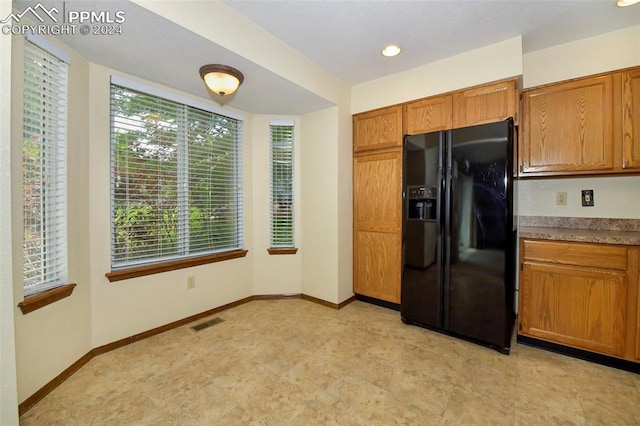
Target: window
44, 187
282, 184
176, 180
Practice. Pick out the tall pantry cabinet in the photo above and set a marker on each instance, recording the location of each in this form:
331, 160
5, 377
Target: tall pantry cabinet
377, 203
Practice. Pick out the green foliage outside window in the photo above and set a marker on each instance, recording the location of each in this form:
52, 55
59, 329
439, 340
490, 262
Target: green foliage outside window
175, 180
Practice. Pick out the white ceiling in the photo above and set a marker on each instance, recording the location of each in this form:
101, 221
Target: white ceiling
344, 37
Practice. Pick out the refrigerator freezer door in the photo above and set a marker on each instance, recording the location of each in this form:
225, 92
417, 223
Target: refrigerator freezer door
421, 295
480, 232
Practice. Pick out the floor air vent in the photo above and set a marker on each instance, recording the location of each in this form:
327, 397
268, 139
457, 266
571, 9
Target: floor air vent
207, 324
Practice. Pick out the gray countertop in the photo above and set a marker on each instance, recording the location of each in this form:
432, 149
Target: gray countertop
588, 230
629, 238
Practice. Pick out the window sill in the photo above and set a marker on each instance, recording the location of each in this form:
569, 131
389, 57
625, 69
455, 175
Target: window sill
156, 268
282, 250
47, 297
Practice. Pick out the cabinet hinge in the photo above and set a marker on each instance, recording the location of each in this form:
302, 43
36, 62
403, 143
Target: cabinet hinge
522, 266
521, 168
519, 327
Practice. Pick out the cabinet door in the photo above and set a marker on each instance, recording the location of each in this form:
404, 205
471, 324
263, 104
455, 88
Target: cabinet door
568, 128
429, 115
377, 210
631, 119
574, 306
377, 129
377, 191
377, 265
486, 104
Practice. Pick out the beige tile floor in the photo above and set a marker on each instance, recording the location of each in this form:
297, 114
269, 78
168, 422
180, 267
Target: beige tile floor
293, 362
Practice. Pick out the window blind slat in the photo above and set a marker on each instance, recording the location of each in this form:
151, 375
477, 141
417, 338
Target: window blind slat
281, 182
175, 179
44, 170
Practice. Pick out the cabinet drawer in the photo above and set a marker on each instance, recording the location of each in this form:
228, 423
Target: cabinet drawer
568, 253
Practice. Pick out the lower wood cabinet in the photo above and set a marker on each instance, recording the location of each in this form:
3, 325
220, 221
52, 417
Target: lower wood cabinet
574, 306
377, 265
580, 295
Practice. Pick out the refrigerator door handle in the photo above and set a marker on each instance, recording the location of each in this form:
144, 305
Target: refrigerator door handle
446, 242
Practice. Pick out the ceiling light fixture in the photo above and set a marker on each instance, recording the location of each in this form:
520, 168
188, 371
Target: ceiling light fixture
391, 50
221, 79
625, 3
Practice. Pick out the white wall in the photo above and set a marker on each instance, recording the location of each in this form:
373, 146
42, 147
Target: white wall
615, 197
489, 63
123, 308
345, 205
606, 52
52, 338
273, 274
319, 181
8, 383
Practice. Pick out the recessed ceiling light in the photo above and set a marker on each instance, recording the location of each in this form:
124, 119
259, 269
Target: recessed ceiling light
394, 49
625, 3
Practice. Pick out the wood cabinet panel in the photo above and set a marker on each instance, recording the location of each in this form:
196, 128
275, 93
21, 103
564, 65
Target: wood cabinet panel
429, 115
631, 119
568, 127
633, 273
575, 306
377, 129
377, 265
637, 324
569, 253
377, 209
377, 191
486, 104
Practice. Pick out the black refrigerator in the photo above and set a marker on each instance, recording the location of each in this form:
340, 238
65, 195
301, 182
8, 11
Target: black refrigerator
459, 233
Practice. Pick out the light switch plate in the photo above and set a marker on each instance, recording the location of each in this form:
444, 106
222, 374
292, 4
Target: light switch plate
587, 198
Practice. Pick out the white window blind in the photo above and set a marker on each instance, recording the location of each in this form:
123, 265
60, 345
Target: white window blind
176, 180
281, 184
44, 170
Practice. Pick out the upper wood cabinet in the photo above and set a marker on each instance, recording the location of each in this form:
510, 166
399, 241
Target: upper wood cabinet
377, 129
631, 119
429, 115
485, 104
568, 128
477, 105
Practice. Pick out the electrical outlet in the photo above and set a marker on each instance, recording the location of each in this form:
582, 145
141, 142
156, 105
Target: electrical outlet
587, 198
561, 198
191, 281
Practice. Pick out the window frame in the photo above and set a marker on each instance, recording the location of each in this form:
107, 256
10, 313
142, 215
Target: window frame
143, 267
39, 134
278, 244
